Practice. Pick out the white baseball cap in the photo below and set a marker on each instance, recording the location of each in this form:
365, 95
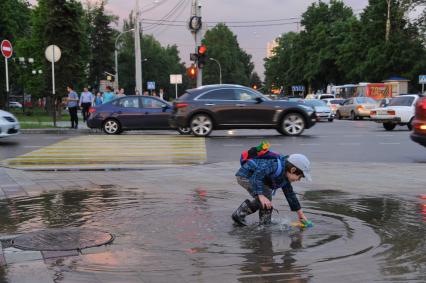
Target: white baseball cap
301, 162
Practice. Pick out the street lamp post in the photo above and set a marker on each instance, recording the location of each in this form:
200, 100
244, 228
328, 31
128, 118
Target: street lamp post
23, 63
116, 54
220, 69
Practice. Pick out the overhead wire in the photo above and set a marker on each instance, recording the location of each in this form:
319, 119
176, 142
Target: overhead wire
175, 15
163, 19
232, 26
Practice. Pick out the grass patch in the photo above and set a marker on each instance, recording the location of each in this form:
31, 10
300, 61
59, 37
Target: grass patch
36, 126
37, 116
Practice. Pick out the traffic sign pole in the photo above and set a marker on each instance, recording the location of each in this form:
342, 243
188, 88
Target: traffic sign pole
7, 51
7, 84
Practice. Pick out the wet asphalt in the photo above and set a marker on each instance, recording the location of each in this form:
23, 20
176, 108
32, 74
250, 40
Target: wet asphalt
367, 203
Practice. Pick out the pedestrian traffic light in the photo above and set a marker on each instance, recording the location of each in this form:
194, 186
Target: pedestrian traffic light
192, 72
201, 52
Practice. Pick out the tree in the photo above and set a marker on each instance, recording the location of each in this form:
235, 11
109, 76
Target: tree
311, 57
14, 25
64, 28
403, 54
101, 42
336, 47
158, 62
236, 64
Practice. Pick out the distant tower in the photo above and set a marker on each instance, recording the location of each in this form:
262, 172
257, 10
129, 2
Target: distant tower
270, 47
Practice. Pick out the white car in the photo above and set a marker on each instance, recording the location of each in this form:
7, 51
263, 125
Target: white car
321, 108
15, 104
399, 111
334, 103
9, 125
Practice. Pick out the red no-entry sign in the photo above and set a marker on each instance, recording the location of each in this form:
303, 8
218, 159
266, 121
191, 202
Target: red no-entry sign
6, 48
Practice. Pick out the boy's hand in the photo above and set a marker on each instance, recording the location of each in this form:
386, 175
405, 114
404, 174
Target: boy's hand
265, 202
302, 216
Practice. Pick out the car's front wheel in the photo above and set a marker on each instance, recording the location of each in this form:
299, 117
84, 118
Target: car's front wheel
338, 115
353, 116
293, 124
112, 127
389, 126
201, 125
184, 131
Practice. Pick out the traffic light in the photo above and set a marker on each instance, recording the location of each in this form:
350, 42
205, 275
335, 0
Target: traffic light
192, 72
201, 52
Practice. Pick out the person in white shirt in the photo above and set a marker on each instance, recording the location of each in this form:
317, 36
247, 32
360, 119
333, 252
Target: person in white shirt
86, 100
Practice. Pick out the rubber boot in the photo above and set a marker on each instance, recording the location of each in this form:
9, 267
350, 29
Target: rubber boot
246, 208
265, 216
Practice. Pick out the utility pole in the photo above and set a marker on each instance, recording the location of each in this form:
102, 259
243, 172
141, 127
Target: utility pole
138, 63
196, 12
388, 20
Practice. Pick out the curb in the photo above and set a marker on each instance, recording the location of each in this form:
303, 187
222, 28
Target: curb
61, 131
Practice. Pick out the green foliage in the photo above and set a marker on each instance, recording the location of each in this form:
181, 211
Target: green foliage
223, 46
336, 47
64, 28
158, 63
14, 25
101, 42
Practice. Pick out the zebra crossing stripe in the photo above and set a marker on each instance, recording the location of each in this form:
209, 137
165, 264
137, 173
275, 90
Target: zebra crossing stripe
117, 151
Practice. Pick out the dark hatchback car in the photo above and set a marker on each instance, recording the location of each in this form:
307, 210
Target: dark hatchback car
215, 107
419, 123
132, 113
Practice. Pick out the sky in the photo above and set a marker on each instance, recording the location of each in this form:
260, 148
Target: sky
252, 39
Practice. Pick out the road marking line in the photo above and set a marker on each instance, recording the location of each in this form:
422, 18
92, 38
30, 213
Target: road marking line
389, 143
314, 144
32, 146
99, 151
233, 144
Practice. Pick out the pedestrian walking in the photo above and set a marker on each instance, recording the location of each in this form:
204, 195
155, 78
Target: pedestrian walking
98, 99
161, 93
108, 95
154, 93
72, 104
145, 92
86, 100
262, 172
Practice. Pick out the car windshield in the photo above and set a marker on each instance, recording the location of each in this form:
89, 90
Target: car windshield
364, 100
337, 101
315, 103
401, 101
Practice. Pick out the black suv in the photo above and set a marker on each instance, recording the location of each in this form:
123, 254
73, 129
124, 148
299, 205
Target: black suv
216, 107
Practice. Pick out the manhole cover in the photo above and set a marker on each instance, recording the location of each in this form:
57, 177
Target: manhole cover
62, 239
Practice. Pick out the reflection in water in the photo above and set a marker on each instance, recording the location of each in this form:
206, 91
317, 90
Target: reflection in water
268, 260
189, 236
395, 220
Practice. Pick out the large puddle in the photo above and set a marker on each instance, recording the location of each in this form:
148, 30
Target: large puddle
166, 236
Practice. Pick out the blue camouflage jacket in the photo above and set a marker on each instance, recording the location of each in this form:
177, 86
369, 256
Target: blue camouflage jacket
261, 173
